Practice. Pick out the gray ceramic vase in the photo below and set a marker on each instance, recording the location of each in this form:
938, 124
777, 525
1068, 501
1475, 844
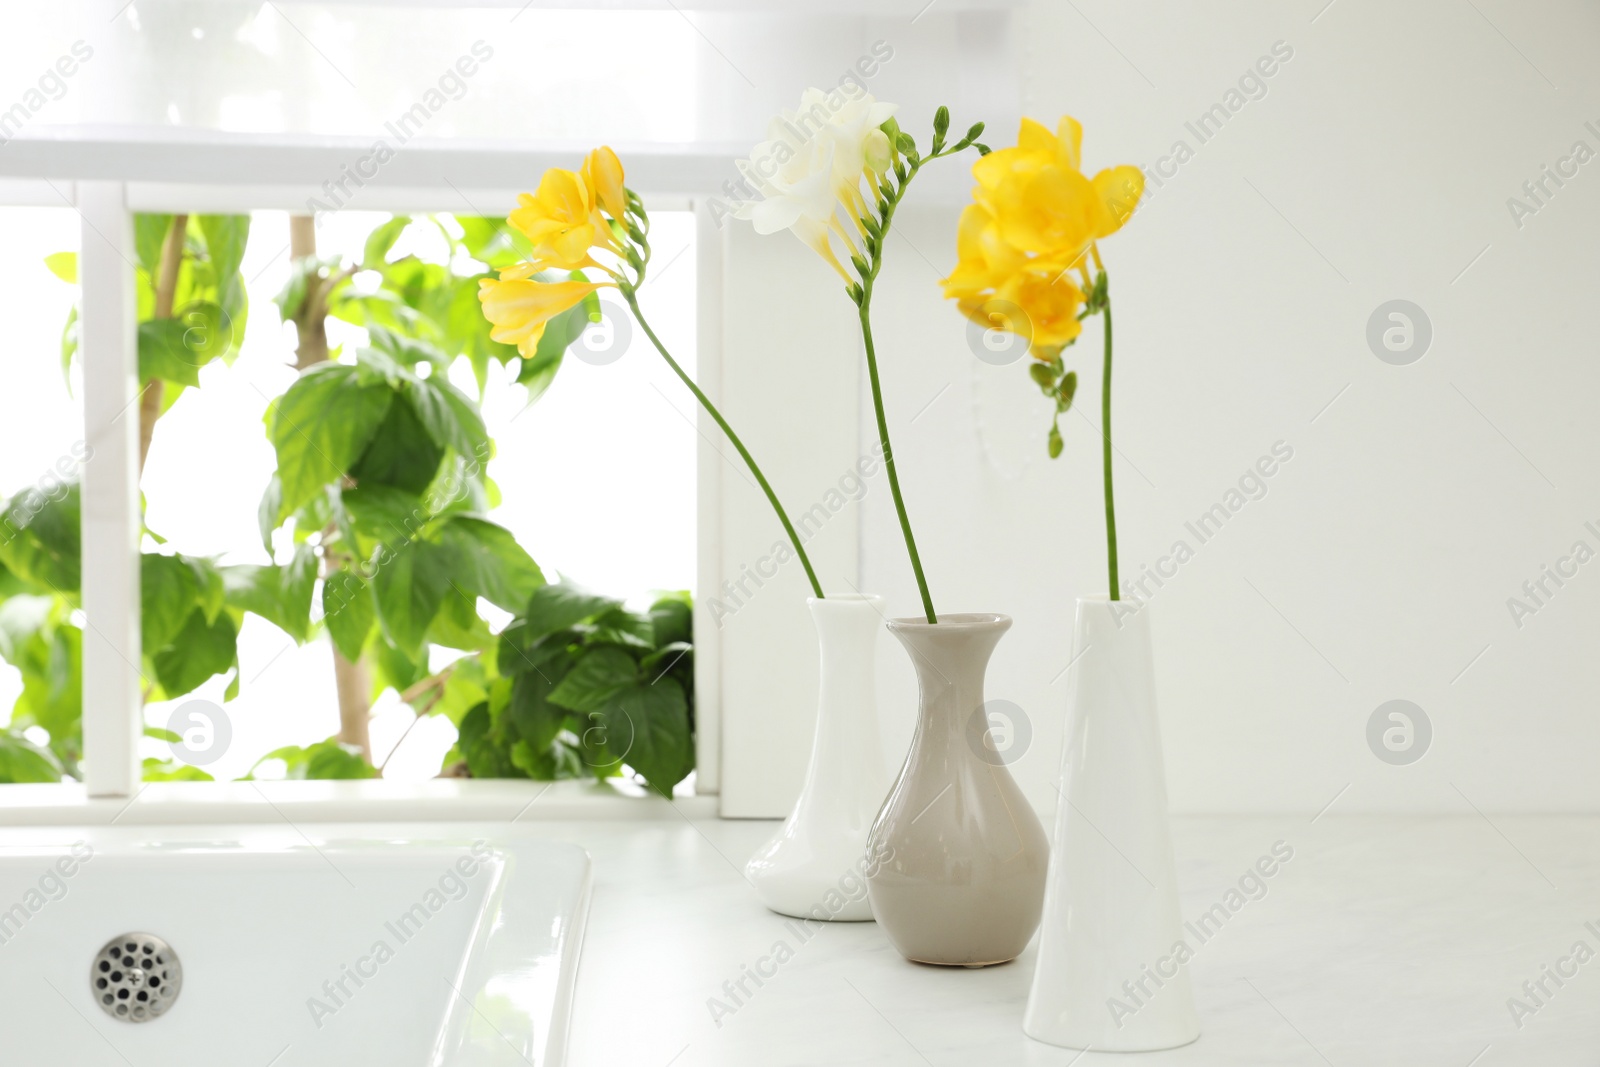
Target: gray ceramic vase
963, 857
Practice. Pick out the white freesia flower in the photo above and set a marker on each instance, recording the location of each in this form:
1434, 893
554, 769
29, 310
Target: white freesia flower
797, 193
812, 166
851, 127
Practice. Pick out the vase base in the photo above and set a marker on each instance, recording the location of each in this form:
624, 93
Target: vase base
1076, 1043
852, 916
969, 966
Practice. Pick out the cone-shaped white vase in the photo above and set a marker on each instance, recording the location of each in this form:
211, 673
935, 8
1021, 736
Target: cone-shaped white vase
816, 865
1110, 973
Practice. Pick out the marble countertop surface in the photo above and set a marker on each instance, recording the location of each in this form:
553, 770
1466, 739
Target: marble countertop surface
1382, 941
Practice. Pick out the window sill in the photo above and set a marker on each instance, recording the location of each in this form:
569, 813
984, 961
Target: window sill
453, 800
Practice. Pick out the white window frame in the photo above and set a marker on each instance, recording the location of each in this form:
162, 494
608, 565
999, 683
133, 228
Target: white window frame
106, 180
751, 750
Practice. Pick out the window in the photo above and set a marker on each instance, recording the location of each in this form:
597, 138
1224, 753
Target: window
599, 470
264, 109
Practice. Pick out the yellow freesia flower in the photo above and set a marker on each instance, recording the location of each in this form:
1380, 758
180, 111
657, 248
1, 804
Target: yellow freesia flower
520, 309
1051, 302
1001, 288
1041, 307
563, 220
983, 260
1041, 200
1034, 221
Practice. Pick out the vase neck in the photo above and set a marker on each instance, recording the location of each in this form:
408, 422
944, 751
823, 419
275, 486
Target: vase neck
950, 659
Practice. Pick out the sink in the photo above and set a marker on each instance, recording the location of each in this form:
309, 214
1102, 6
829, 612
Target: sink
407, 945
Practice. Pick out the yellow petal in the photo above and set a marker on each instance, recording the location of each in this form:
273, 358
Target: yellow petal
602, 172
1119, 189
1069, 134
1036, 137
1050, 305
520, 309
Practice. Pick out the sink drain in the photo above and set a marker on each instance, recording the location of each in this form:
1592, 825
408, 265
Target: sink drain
136, 977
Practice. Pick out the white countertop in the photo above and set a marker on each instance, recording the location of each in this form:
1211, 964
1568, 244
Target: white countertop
1383, 941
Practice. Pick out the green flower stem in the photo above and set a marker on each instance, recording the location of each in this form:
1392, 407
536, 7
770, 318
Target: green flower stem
1105, 435
631, 297
891, 201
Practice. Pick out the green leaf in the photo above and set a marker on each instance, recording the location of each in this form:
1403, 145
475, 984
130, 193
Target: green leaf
599, 675
556, 607
384, 513
226, 237
552, 653
557, 761
320, 428
624, 628
324, 760
411, 585
38, 638
1054, 443
213, 594
41, 539
69, 346
267, 511
281, 595
486, 750
490, 563
401, 452
168, 590
349, 612
395, 668
63, 265
672, 619
149, 233
491, 241
381, 240
155, 770
466, 686
292, 297
164, 354
405, 353
666, 658
536, 719
451, 419
208, 332
458, 625
465, 325
198, 652
655, 719
23, 761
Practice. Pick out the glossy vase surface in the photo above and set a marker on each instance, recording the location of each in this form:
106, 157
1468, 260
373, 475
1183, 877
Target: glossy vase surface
1112, 971
814, 867
960, 854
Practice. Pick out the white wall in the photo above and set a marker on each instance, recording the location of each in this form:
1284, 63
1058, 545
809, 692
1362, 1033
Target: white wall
1379, 563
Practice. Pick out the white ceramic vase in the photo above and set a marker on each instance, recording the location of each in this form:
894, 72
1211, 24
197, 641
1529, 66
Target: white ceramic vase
815, 866
1110, 973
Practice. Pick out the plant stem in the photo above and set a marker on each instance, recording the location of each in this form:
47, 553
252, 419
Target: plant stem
631, 297
352, 682
892, 200
153, 398
1105, 436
